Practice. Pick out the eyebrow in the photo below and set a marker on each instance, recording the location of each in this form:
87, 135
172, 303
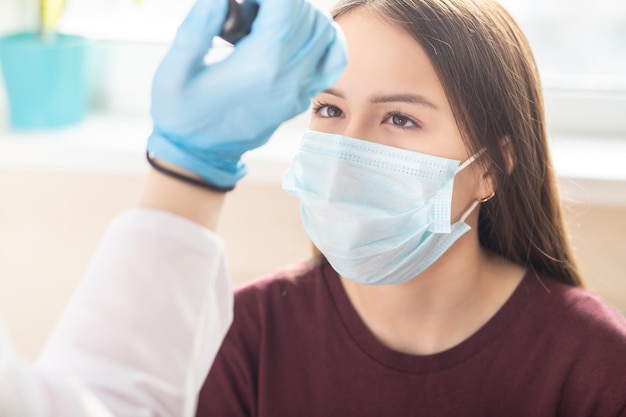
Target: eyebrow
392, 98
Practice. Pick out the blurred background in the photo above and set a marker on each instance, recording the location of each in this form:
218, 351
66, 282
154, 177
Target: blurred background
62, 184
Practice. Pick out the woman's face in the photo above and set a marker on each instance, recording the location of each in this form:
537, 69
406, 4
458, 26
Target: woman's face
390, 94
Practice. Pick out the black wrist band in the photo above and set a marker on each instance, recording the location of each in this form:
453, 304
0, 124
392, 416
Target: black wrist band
189, 180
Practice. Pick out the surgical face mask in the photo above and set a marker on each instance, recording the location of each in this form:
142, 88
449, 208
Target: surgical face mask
379, 214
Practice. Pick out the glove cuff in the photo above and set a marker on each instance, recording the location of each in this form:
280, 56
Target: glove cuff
184, 178
216, 171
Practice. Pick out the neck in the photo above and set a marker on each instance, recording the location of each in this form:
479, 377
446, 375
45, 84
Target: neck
442, 306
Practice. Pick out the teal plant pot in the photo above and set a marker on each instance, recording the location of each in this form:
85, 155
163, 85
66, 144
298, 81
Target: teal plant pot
46, 80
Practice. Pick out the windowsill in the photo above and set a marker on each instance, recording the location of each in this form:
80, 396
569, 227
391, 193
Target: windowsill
590, 170
109, 144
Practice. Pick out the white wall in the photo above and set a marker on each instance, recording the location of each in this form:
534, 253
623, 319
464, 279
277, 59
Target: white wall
12, 14
50, 224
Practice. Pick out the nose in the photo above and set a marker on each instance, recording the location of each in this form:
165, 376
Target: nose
361, 128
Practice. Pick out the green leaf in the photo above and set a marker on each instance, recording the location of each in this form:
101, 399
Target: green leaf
51, 11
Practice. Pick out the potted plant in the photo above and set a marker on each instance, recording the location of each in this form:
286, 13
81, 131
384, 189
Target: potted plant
45, 73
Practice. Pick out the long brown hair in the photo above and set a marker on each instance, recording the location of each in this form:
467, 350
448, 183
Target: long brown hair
488, 72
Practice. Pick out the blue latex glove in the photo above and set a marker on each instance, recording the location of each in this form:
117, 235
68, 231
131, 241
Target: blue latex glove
206, 116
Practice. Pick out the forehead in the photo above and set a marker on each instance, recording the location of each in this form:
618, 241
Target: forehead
384, 58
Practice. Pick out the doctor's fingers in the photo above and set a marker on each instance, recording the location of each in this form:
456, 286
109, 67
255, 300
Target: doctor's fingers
331, 63
277, 14
193, 40
293, 46
322, 56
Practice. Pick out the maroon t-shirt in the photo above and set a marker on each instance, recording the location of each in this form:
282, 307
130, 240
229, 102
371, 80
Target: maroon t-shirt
298, 348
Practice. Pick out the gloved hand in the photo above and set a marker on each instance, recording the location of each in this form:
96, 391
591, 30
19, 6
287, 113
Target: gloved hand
206, 116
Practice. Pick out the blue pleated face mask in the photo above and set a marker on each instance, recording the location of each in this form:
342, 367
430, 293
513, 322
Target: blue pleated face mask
379, 214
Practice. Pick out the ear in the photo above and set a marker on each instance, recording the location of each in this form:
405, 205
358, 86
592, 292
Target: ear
488, 188
508, 154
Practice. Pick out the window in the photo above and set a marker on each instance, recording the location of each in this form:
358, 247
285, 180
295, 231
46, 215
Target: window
578, 44
125, 20
580, 47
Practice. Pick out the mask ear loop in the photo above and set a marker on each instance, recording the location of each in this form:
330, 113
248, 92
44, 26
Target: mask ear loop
470, 160
489, 197
476, 202
473, 206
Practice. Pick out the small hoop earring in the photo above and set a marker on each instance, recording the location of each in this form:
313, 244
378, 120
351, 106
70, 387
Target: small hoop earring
489, 197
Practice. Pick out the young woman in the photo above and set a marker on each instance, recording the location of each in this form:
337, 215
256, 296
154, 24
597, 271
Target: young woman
447, 286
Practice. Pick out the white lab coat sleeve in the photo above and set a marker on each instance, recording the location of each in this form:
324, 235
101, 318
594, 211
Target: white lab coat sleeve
21, 393
141, 332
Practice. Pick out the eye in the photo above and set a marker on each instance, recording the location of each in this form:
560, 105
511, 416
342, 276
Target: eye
400, 120
327, 110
